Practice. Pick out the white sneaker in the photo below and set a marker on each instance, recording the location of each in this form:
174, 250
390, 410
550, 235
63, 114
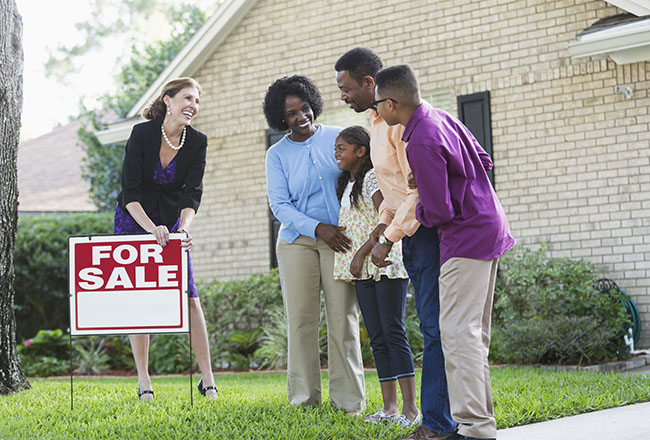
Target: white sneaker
379, 416
405, 423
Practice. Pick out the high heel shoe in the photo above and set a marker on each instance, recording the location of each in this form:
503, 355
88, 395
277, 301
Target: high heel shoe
203, 389
143, 392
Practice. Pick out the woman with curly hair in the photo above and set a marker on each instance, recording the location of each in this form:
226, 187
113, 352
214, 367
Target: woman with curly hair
301, 179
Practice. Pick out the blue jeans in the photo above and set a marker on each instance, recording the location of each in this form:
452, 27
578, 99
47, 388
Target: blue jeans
421, 254
382, 305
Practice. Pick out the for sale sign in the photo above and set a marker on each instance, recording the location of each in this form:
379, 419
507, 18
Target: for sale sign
127, 284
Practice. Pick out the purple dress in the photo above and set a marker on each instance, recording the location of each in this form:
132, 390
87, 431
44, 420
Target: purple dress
123, 223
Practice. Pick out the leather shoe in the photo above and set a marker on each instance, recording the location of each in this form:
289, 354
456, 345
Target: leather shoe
422, 433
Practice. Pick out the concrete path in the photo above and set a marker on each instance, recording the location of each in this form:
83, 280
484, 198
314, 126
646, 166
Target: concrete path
625, 423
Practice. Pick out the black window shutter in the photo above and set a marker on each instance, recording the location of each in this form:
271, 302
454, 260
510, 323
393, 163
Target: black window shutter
474, 112
272, 137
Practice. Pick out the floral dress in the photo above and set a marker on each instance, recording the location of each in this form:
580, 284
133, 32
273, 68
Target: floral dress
360, 222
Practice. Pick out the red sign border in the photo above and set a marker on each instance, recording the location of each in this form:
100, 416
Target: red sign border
80, 331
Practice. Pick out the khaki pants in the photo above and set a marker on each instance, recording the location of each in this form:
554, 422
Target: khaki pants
305, 266
466, 293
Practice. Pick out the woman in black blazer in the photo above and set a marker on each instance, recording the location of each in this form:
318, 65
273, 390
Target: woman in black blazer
162, 186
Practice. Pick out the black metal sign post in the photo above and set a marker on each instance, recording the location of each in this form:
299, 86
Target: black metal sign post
70, 296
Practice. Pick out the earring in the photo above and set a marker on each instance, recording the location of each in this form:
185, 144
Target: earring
169, 111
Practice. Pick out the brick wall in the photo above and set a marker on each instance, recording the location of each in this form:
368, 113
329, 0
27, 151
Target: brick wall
571, 155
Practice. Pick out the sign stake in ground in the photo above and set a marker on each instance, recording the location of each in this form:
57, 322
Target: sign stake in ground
127, 284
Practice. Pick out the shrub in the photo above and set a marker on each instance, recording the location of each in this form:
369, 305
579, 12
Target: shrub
274, 347
120, 355
41, 267
91, 355
170, 354
46, 354
233, 307
547, 310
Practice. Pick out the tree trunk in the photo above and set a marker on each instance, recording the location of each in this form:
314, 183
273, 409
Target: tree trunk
12, 377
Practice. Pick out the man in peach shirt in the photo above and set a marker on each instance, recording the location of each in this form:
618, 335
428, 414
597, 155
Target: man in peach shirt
355, 71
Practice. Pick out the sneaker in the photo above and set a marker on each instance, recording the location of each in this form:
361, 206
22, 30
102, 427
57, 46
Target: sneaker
379, 416
403, 422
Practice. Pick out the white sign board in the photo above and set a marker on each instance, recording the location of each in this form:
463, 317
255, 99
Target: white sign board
124, 284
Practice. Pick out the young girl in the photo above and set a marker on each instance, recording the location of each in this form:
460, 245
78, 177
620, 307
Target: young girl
381, 291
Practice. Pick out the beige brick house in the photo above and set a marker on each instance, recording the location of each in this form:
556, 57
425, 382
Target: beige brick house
568, 113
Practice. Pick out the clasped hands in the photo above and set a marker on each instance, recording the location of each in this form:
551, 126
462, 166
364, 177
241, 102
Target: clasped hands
161, 233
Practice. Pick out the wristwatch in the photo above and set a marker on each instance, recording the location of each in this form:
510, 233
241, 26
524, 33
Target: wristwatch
383, 241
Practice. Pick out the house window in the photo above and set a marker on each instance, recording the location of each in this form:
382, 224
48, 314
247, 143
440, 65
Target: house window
474, 112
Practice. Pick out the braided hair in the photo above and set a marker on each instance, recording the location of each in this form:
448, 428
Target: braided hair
359, 137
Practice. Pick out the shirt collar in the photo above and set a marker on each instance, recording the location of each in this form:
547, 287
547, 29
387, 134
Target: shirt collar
374, 116
307, 141
416, 117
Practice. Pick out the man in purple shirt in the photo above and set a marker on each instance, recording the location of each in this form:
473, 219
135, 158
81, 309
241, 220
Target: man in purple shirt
450, 170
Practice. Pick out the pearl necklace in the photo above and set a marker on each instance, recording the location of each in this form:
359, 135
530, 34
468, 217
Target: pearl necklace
162, 128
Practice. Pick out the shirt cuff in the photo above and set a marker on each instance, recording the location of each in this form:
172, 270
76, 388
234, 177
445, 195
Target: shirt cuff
386, 217
311, 228
393, 233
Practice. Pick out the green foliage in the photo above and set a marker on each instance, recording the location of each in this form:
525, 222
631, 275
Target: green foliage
119, 352
243, 346
41, 267
102, 168
412, 326
102, 164
46, 354
274, 345
254, 406
547, 310
91, 355
232, 307
555, 340
170, 354
148, 62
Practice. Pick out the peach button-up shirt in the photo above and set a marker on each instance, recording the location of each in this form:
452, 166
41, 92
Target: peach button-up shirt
388, 154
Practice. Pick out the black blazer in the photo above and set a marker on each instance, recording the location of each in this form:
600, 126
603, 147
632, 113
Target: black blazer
141, 157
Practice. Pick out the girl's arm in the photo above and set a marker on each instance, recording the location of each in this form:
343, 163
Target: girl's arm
357, 261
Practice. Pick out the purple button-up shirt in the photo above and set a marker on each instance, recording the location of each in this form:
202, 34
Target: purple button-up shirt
450, 168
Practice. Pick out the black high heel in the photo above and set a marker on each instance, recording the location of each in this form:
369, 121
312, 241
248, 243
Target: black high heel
203, 389
143, 392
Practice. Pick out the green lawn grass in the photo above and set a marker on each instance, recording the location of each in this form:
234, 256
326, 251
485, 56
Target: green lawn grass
254, 406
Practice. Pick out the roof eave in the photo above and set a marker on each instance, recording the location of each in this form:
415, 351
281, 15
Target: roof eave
118, 131
636, 7
632, 47
186, 63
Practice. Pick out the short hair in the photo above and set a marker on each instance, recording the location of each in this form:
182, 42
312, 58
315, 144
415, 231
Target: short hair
400, 83
277, 93
158, 108
359, 62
